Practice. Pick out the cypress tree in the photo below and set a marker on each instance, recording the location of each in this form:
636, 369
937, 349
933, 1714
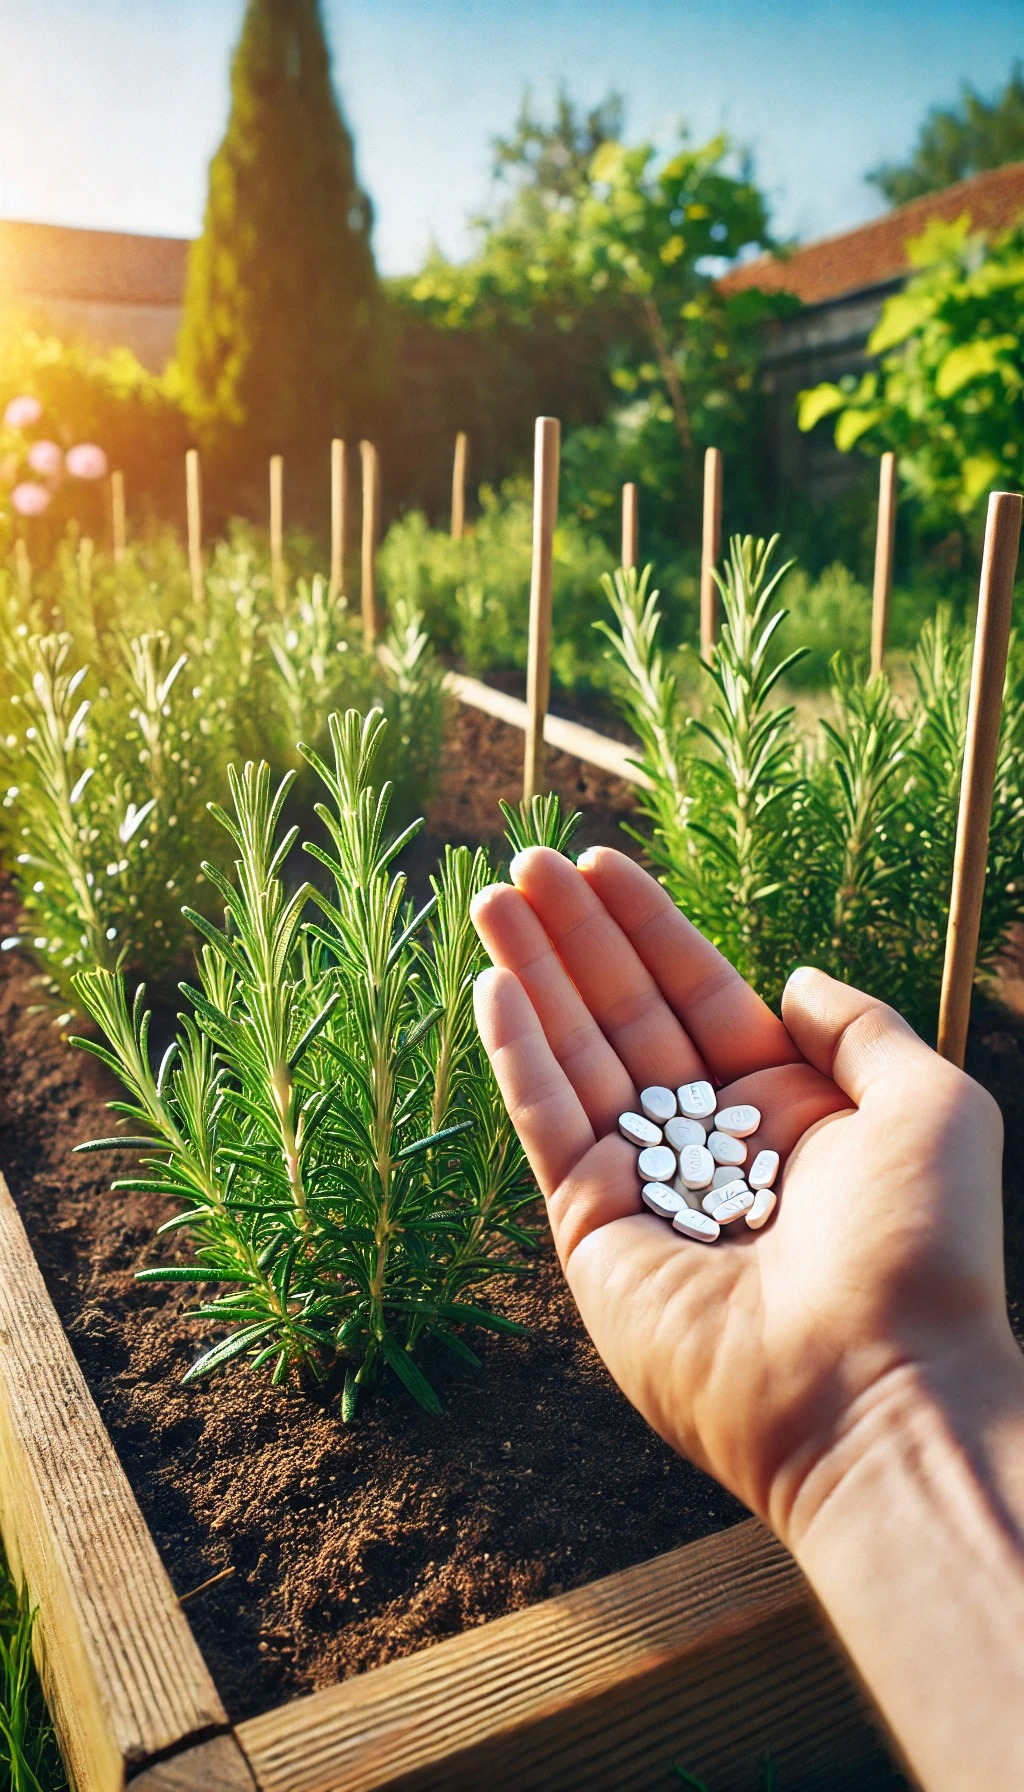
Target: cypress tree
276, 343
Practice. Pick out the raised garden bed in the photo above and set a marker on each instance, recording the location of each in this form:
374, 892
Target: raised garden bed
350, 1547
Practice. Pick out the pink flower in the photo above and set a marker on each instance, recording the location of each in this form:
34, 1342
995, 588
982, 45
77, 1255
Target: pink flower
46, 459
21, 413
86, 461
30, 499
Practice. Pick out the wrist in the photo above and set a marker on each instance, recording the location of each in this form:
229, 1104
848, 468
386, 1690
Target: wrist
960, 1404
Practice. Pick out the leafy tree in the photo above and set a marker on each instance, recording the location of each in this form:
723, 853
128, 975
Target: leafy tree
957, 141
613, 257
946, 395
276, 337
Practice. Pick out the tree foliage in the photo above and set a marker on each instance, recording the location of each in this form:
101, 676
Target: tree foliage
957, 141
276, 339
946, 394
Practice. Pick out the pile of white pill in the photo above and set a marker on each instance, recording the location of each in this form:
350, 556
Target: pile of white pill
693, 1160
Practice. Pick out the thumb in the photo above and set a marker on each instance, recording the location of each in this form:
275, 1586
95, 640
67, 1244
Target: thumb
851, 1037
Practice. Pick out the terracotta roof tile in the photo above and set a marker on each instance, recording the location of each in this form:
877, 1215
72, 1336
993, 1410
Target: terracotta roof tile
54, 261
876, 252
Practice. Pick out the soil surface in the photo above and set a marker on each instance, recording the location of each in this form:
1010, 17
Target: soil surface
350, 1545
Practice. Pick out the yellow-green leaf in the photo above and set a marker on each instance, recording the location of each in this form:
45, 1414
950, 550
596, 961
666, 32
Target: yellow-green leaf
901, 316
970, 361
818, 402
979, 472
854, 424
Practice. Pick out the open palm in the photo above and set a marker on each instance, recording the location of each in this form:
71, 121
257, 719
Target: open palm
752, 1354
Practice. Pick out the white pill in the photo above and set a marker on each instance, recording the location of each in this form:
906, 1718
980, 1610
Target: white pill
696, 1166
690, 1195
696, 1225
740, 1121
661, 1200
717, 1197
764, 1169
658, 1103
657, 1164
725, 1173
735, 1207
696, 1100
680, 1133
763, 1208
639, 1130
725, 1149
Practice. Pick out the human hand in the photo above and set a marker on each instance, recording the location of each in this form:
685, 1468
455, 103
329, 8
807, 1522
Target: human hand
759, 1355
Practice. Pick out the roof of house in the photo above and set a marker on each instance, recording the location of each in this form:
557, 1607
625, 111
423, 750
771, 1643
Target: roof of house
54, 261
876, 252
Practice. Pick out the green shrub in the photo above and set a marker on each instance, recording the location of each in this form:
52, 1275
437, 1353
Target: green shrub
120, 707
326, 1127
835, 850
828, 615
475, 594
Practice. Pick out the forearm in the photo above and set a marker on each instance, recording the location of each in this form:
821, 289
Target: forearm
912, 1535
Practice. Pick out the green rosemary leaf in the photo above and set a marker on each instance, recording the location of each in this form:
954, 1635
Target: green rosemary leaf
436, 1138
227, 1350
122, 1143
188, 1273
401, 1362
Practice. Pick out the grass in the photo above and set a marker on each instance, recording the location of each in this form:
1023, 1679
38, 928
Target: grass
29, 1761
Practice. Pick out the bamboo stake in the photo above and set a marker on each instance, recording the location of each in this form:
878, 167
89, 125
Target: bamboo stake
118, 533
988, 673
630, 527
885, 538
338, 494
459, 485
277, 528
710, 549
194, 505
371, 504
538, 671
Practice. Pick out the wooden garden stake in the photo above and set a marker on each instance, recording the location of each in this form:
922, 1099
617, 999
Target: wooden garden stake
117, 517
194, 505
885, 539
630, 527
710, 549
371, 501
459, 485
988, 672
337, 517
277, 528
538, 670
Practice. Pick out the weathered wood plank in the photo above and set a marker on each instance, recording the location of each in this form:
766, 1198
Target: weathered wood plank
566, 737
122, 1675
706, 1657
215, 1766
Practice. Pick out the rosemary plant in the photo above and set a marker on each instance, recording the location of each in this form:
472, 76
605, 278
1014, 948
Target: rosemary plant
121, 703
326, 1127
835, 845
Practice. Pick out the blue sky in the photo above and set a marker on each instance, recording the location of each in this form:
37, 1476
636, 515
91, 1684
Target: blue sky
111, 109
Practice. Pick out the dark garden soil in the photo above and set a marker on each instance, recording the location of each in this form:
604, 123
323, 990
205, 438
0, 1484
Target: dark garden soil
353, 1545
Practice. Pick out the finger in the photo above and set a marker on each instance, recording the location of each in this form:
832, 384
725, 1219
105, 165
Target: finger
732, 1028
856, 1040
616, 986
542, 1104
515, 939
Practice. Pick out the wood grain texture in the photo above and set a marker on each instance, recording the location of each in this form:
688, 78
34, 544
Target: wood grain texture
630, 527
981, 753
121, 1672
705, 1657
538, 663
711, 547
215, 1766
885, 543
